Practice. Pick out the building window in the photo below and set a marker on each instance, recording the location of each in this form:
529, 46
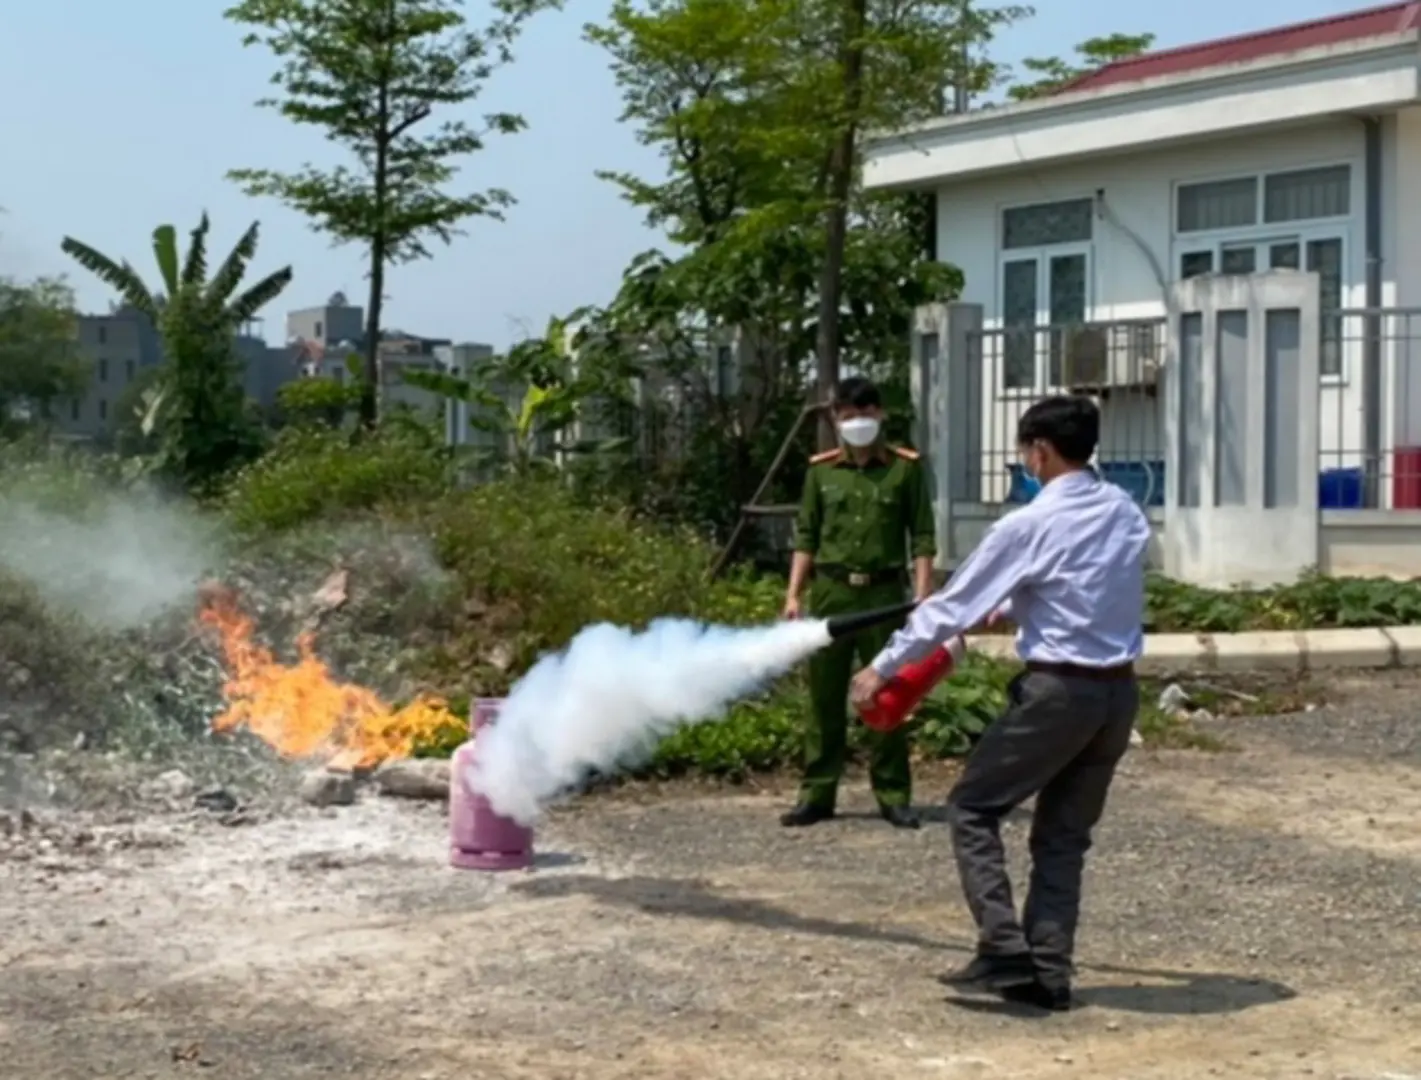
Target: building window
1308, 194
724, 370
1019, 307
1047, 224
1222, 204
103, 409
1196, 264
1323, 255
129, 368
1296, 195
74, 409
103, 335
1066, 287
103, 370
1324, 258
319, 328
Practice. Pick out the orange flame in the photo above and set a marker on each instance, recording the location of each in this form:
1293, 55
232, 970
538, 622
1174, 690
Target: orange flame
301, 710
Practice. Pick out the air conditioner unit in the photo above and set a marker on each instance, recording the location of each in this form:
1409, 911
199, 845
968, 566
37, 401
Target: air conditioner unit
1098, 358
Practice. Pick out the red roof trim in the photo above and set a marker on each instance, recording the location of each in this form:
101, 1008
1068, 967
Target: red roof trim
1318, 33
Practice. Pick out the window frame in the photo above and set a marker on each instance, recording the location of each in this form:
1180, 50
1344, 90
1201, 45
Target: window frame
1005, 208
1260, 197
1263, 236
1041, 345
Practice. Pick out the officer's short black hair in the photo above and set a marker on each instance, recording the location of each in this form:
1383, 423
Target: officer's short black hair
856, 392
1070, 425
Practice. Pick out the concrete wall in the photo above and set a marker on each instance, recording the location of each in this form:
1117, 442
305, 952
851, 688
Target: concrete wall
265, 369
1401, 269
1134, 253
330, 323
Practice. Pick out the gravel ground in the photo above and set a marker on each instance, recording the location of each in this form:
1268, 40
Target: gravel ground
1250, 914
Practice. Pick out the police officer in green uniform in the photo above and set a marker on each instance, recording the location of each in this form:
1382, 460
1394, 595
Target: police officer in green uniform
866, 509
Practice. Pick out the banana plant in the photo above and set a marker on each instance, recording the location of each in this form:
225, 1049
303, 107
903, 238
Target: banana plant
524, 430
197, 409
184, 277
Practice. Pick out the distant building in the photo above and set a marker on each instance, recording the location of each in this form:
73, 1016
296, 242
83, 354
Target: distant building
117, 347
462, 361
265, 368
324, 338
121, 345
335, 321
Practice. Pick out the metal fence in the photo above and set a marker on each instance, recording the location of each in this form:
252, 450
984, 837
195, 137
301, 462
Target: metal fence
1118, 363
1369, 414
1369, 406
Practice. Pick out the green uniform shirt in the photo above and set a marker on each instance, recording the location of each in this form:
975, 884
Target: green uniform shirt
866, 518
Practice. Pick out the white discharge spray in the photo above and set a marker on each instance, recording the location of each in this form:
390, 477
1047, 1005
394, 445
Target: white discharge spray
614, 692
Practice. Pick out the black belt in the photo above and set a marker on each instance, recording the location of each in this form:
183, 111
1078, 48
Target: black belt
1118, 673
860, 579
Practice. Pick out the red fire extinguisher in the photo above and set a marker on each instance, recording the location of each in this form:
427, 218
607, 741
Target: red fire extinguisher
905, 691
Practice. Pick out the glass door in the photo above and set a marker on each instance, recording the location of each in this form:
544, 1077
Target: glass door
1047, 289
1020, 308
1067, 283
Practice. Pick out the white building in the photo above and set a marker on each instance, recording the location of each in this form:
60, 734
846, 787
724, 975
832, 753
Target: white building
1073, 216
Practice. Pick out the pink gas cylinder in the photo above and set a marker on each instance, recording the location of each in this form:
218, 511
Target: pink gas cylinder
478, 838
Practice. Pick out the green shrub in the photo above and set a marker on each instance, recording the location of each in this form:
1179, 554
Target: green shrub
754, 736
1315, 601
57, 477
310, 474
317, 402
541, 567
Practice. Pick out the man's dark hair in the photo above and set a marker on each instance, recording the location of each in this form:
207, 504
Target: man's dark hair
856, 392
1070, 425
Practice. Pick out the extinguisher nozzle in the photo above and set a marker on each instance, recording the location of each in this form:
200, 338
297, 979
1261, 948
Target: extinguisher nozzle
843, 625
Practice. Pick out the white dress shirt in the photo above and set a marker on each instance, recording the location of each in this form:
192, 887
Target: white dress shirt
1069, 570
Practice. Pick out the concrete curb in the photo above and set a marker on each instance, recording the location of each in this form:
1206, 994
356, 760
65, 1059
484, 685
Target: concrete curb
1296, 651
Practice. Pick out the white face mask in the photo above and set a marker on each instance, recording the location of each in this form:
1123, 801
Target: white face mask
859, 431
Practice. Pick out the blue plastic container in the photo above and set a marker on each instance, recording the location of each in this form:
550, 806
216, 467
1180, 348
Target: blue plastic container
1144, 480
1341, 489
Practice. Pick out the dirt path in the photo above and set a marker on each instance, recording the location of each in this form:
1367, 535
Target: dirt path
1254, 915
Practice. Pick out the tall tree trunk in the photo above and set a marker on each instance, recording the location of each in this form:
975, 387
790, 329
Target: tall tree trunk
840, 178
370, 387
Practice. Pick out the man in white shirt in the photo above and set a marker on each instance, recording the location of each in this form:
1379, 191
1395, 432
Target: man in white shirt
1069, 569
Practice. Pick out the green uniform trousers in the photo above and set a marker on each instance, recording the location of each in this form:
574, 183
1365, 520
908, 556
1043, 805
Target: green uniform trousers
830, 670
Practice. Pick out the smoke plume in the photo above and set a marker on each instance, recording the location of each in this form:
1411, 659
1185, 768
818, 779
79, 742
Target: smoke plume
120, 562
613, 693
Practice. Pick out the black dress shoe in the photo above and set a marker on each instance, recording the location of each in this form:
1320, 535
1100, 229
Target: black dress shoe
1040, 995
901, 817
994, 974
805, 814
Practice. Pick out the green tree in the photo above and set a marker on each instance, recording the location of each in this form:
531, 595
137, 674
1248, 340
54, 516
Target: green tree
198, 411
39, 358
741, 101
760, 109
371, 74
1052, 74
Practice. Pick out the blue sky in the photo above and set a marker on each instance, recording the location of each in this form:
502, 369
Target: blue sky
120, 117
